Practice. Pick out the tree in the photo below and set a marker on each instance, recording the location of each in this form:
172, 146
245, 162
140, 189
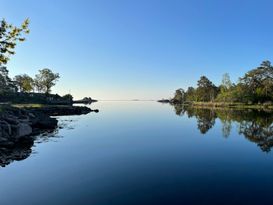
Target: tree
258, 82
9, 37
179, 96
225, 89
37, 85
6, 84
68, 97
226, 82
256, 86
206, 90
24, 82
190, 94
45, 80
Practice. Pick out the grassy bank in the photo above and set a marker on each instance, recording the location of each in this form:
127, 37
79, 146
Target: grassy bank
231, 105
31, 105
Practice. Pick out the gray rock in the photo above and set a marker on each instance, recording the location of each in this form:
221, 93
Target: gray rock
23, 130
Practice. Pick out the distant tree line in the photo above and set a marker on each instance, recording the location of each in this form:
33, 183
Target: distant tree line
256, 86
43, 82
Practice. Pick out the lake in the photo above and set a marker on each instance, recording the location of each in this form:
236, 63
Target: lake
146, 153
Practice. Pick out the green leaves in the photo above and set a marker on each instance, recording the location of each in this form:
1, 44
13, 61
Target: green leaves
24, 82
256, 86
6, 84
10, 35
45, 80
258, 82
206, 90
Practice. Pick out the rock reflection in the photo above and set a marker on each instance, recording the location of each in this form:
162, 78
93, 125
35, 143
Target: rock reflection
25, 147
18, 152
254, 125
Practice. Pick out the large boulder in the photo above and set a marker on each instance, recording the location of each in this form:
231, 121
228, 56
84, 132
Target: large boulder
23, 129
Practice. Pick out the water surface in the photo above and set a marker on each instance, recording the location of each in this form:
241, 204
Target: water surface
146, 153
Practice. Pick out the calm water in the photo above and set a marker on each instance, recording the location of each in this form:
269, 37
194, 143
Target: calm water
146, 153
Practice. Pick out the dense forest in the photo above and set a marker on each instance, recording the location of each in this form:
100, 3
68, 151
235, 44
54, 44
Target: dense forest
255, 87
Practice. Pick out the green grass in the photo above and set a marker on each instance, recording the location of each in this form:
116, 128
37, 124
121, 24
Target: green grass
230, 105
27, 105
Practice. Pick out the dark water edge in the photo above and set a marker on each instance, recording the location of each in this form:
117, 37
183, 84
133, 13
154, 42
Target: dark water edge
147, 153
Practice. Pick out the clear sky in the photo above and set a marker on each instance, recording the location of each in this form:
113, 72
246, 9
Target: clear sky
127, 49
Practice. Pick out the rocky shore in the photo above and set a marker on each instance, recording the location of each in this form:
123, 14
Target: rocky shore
20, 124
62, 110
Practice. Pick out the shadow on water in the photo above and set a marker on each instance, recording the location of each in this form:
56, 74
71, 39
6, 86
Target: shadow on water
254, 125
18, 152
24, 148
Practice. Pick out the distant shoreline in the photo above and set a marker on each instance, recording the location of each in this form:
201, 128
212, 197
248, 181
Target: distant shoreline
134, 100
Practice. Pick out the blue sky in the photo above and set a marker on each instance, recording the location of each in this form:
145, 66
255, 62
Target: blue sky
125, 49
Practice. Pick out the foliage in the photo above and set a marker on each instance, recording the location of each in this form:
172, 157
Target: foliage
179, 96
68, 97
226, 89
9, 37
256, 86
190, 94
6, 84
24, 83
206, 90
258, 83
226, 82
45, 80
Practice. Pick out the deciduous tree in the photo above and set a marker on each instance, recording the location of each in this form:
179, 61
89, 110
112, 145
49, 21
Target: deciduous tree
45, 80
24, 82
10, 35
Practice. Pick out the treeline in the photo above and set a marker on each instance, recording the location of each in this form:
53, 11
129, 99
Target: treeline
42, 83
256, 86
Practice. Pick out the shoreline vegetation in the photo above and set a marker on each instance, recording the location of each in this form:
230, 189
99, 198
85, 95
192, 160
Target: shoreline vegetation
26, 103
254, 91
220, 105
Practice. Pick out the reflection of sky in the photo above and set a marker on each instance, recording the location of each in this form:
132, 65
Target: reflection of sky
136, 152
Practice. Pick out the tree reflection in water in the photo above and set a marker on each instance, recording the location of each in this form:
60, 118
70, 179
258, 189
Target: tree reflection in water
255, 125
